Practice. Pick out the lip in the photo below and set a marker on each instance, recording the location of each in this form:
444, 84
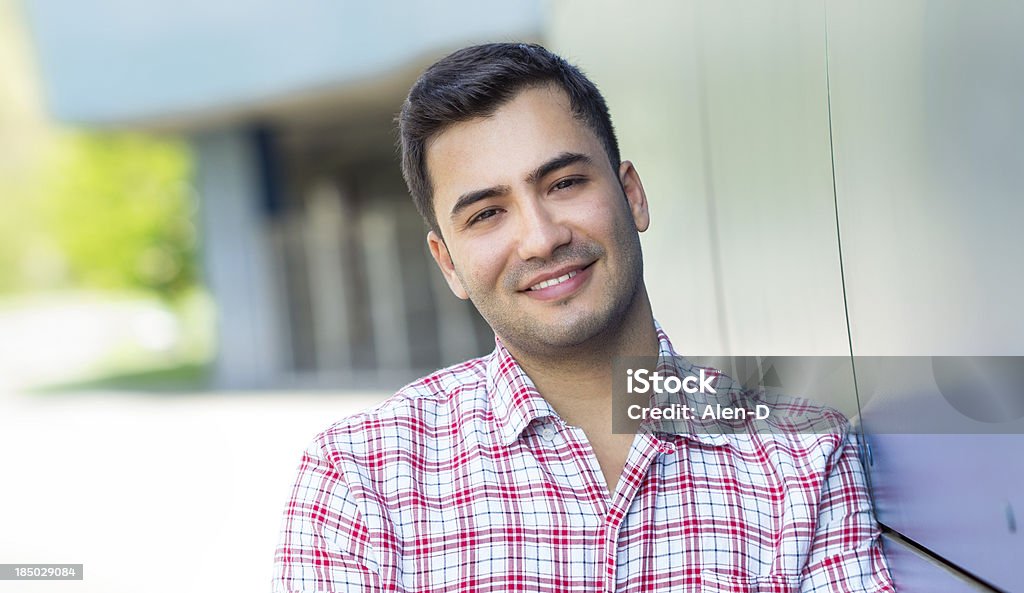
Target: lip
562, 290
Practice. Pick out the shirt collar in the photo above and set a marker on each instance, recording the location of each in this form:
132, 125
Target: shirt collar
515, 401
669, 359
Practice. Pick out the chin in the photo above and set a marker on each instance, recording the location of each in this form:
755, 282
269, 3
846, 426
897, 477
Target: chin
572, 329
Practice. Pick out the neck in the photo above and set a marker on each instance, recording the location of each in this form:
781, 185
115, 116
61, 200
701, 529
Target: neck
577, 382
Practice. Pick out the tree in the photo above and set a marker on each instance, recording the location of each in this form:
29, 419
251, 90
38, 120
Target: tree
120, 208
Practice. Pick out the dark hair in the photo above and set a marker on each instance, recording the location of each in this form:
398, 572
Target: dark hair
476, 81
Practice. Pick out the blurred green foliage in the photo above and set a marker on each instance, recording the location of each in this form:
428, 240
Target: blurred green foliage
116, 210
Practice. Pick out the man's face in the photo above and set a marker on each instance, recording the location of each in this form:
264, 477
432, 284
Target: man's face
539, 232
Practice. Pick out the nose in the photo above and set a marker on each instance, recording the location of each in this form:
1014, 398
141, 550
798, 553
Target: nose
541, 230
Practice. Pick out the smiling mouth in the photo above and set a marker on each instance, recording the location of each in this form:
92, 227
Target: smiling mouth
554, 281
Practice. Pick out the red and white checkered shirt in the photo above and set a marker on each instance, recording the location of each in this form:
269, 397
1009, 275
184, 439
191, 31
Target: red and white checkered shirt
467, 480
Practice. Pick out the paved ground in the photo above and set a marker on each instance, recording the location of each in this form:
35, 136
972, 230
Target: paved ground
154, 493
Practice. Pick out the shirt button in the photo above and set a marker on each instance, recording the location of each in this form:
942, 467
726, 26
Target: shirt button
547, 433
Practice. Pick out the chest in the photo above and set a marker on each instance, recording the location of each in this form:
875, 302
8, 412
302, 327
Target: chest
539, 518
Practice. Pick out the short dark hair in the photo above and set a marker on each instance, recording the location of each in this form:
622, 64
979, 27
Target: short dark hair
476, 81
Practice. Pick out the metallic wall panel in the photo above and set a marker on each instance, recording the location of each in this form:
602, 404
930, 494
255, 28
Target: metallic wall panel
959, 496
915, 573
929, 142
766, 155
927, 126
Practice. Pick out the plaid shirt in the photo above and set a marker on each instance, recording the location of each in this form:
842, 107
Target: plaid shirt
467, 480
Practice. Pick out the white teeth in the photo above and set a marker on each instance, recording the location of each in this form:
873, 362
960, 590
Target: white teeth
553, 281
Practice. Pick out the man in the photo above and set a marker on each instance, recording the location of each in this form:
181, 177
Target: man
502, 473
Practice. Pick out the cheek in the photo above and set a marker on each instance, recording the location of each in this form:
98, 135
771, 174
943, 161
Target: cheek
480, 266
604, 222
604, 210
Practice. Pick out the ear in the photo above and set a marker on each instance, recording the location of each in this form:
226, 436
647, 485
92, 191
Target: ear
635, 196
439, 250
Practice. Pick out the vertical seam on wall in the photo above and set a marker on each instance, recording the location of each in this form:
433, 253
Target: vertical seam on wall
709, 189
835, 206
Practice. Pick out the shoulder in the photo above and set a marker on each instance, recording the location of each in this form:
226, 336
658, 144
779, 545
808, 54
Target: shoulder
428, 409
800, 436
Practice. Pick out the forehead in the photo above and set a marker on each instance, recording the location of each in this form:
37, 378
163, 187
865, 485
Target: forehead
501, 149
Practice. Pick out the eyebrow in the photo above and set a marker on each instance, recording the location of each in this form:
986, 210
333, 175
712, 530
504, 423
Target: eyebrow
562, 160
469, 198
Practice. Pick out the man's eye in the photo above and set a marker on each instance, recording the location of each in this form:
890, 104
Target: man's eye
483, 215
567, 183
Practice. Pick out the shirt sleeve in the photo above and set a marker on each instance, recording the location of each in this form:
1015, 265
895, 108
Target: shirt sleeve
324, 544
846, 553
